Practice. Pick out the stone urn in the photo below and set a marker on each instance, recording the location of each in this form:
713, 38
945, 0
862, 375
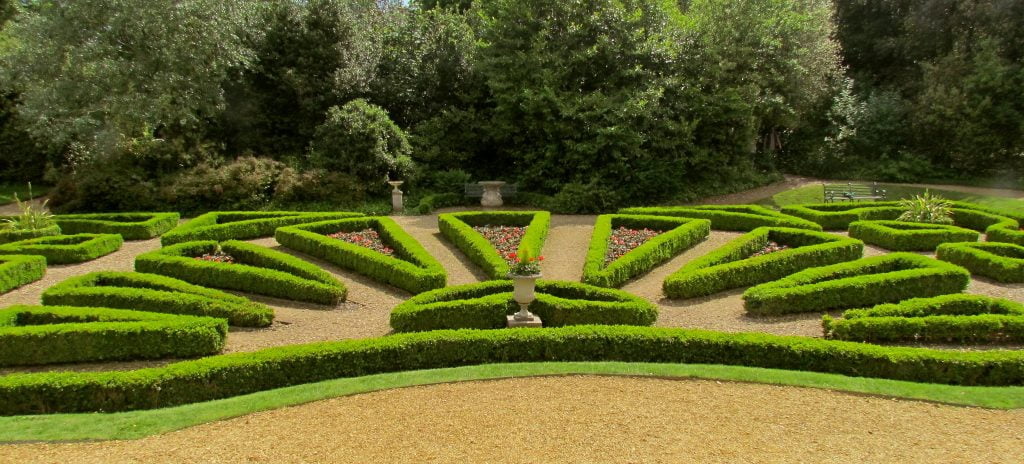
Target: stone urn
524, 292
492, 194
397, 202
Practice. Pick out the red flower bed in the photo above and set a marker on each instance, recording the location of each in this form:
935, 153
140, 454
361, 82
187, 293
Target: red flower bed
217, 257
368, 238
504, 238
771, 247
624, 240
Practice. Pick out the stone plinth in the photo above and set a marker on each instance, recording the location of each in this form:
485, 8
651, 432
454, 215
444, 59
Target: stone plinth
534, 323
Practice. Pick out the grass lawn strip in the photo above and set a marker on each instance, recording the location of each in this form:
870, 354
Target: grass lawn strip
679, 235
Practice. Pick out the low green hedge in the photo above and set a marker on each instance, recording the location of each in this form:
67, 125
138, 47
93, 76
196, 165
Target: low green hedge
732, 265
485, 305
1003, 262
743, 218
458, 229
66, 249
947, 318
857, 284
678, 235
242, 373
838, 216
156, 293
430, 203
8, 235
242, 225
32, 335
909, 236
1007, 233
18, 270
256, 269
131, 226
412, 268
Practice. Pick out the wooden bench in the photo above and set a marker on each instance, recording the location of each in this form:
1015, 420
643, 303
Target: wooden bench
853, 192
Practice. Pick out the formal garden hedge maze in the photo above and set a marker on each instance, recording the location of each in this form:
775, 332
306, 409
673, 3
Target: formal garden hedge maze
909, 236
742, 218
517, 232
376, 247
241, 266
838, 216
18, 270
1003, 262
242, 225
130, 226
66, 249
674, 236
13, 235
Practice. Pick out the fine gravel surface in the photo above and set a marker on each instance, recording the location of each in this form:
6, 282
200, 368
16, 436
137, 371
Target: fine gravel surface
579, 419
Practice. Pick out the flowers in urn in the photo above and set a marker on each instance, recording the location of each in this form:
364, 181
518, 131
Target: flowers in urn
524, 265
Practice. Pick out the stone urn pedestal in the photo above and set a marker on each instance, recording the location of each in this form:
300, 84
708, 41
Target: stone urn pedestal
397, 201
491, 197
524, 292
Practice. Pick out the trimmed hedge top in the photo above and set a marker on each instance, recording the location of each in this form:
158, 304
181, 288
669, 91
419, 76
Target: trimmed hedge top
256, 269
838, 216
66, 249
412, 268
733, 265
458, 229
8, 235
32, 335
865, 282
243, 225
741, 218
18, 270
131, 226
909, 236
156, 293
678, 234
1003, 262
485, 305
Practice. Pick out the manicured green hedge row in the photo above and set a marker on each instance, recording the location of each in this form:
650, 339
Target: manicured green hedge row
485, 305
838, 216
241, 373
679, 234
732, 265
458, 229
156, 293
1003, 262
857, 284
1006, 233
32, 335
18, 270
909, 236
412, 268
66, 249
131, 226
743, 218
947, 318
8, 236
430, 203
256, 270
242, 225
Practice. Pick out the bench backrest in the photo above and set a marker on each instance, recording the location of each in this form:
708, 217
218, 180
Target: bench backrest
849, 190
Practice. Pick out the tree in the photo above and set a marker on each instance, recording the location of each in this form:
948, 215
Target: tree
360, 140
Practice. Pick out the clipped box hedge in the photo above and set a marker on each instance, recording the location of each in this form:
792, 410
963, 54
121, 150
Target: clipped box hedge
412, 268
1003, 262
256, 269
9, 235
742, 218
458, 229
236, 374
33, 335
909, 236
18, 270
947, 318
1006, 232
838, 216
733, 266
130, 226
678, 235
66, 249
857, 284
243, 225
156, 293
485, 305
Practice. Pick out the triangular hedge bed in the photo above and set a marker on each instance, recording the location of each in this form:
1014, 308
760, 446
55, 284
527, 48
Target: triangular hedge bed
458, 229
130, 226
733, 265
257, 270
1003, 262
411, 268
909, 236
66, 249
18, 270
742, 218
243, 225
678, 235
156, 293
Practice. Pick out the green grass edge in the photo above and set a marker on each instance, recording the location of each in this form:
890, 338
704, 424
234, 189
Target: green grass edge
140, 424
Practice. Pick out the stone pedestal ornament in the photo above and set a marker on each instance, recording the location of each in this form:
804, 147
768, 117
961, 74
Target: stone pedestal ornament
492, 194
397, 202
524, 293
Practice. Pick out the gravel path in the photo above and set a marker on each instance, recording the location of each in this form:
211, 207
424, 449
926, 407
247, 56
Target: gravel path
580, 419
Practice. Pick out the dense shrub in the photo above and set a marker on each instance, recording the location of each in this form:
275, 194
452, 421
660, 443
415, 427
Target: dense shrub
430, 203
728, 217
412, 268
34, 335
66, 249
18, 270
733, 265
245, 183
948, 318
678, 234
458, 229
242, 373
256, 270
856, 284
131, 226
486, 305
242, 225
909, 236
158, 294
1003, 262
